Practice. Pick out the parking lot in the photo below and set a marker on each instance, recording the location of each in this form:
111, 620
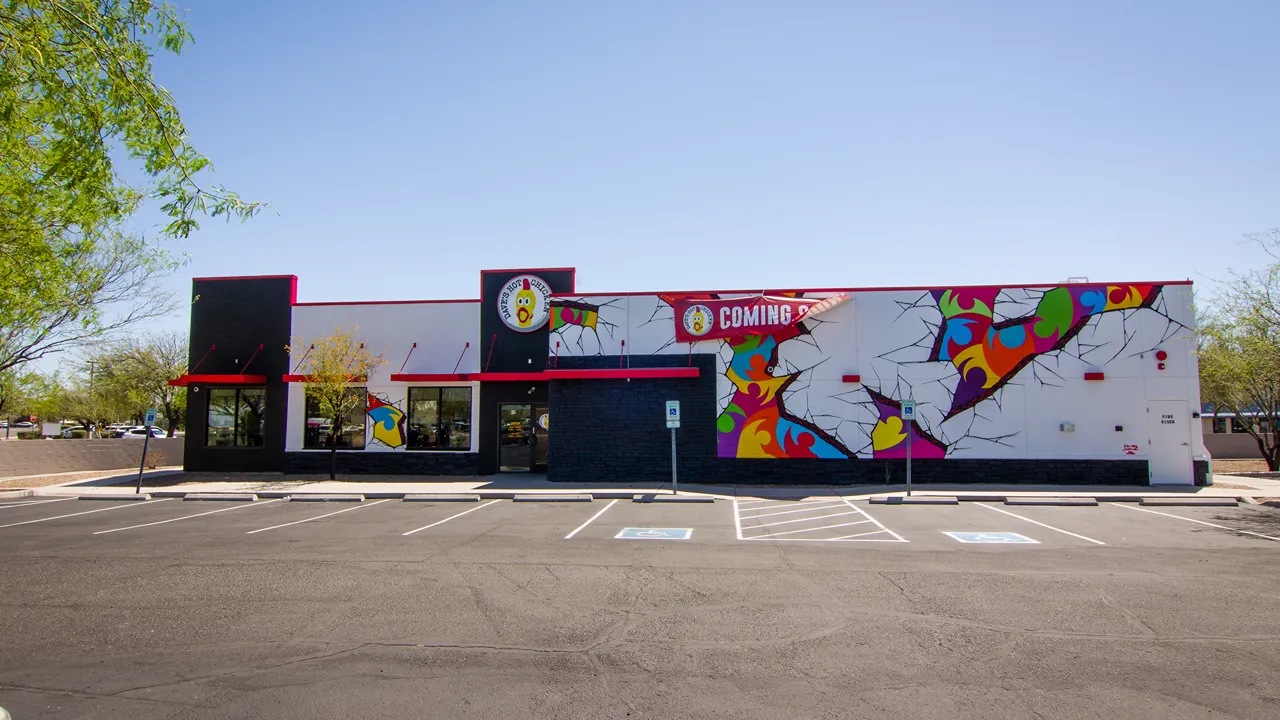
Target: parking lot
749, 607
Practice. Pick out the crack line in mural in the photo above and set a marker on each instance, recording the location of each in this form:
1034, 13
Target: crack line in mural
568, 315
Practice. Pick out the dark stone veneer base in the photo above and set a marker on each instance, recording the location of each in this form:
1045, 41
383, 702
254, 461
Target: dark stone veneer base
384, 463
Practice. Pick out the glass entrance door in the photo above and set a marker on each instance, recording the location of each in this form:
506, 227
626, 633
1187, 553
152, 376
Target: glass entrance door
541, 425
516, 438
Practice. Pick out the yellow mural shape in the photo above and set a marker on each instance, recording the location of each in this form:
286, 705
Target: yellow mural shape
752, 442
888, 433
1133, 298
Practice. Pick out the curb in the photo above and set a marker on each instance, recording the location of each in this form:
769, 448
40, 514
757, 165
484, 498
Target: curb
326, 498
168, 493
1190, 502
918, 500
652, 498
1063, 501
115, 496
5, 495
552, 498
250, 497
429, 497
613, 494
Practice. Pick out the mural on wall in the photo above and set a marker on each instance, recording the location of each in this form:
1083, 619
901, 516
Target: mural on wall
989, 352
889, 437
756, 423
976, 360
388, 422
576, 320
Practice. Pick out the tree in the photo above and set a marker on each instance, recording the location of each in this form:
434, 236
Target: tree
331, 364
1239, 352
79, 108
140, 369
79, 292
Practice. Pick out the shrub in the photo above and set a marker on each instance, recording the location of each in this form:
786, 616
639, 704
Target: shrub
155, 458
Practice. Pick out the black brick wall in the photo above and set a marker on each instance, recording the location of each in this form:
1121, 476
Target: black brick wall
613, 431
384, 463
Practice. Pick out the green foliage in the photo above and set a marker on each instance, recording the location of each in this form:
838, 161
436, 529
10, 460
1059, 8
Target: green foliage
138, 370
80, 110
1239, 354
332, 363
76, 89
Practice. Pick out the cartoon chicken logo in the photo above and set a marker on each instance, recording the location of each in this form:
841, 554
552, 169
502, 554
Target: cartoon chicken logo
697, 320
526, 302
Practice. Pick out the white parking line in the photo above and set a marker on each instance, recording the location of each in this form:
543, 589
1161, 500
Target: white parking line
787, 503
464, 512
1179, 517
318, 517
790, 512
588, 522
87, 512
872, 519
185, 517
820, 517
1037, 522
25, 503
768, 535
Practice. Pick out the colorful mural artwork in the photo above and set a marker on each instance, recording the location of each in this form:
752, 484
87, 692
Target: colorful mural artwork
756, 424
989, 352
889, 437
388, 422
571, 320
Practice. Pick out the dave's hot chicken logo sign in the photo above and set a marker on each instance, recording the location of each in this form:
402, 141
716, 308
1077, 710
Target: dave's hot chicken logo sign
525, 303
697, 320
708, 318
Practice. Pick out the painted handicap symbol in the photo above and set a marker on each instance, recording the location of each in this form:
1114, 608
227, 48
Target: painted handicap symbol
991, 538
632, 533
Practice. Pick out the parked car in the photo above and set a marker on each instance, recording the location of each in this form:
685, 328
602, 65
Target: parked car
139, 433
73, 430
24, 425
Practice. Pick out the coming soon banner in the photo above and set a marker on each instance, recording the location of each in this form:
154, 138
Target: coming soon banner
708, 319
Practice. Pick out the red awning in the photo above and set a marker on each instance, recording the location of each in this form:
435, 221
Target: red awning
186, 380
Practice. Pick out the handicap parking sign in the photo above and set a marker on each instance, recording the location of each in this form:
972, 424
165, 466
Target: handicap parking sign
994, 538
632, 533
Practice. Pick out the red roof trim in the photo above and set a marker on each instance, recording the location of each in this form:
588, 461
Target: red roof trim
213, 379
904, 288
290, 378
382, 302
243, 277
580, 374
624, 373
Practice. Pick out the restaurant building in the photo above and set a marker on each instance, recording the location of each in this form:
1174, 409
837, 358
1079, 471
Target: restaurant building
1092, 383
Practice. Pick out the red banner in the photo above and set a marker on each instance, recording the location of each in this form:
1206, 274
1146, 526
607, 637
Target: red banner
734, 317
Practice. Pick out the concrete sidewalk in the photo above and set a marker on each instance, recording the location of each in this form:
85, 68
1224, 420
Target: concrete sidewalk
390, 485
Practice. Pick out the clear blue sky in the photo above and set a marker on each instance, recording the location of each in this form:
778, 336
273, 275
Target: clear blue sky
701, 145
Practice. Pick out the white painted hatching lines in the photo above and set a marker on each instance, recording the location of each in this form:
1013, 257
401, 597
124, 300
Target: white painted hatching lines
464, 512
824, 507
1037, 522
187, 517
590, 520
1201, 522
318, 517
129, 504
25, 503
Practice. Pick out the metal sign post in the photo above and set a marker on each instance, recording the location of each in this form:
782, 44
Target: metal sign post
673, 422
908, 417
150, 420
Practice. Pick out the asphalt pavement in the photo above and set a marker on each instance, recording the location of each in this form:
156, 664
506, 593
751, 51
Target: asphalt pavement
814, 608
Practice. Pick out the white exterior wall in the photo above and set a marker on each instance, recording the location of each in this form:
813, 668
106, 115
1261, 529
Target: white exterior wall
441, 329
886, 338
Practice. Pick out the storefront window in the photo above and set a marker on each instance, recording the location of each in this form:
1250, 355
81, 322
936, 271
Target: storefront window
349, 435
1219, 425
237, 417
1240, 425
439, 418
